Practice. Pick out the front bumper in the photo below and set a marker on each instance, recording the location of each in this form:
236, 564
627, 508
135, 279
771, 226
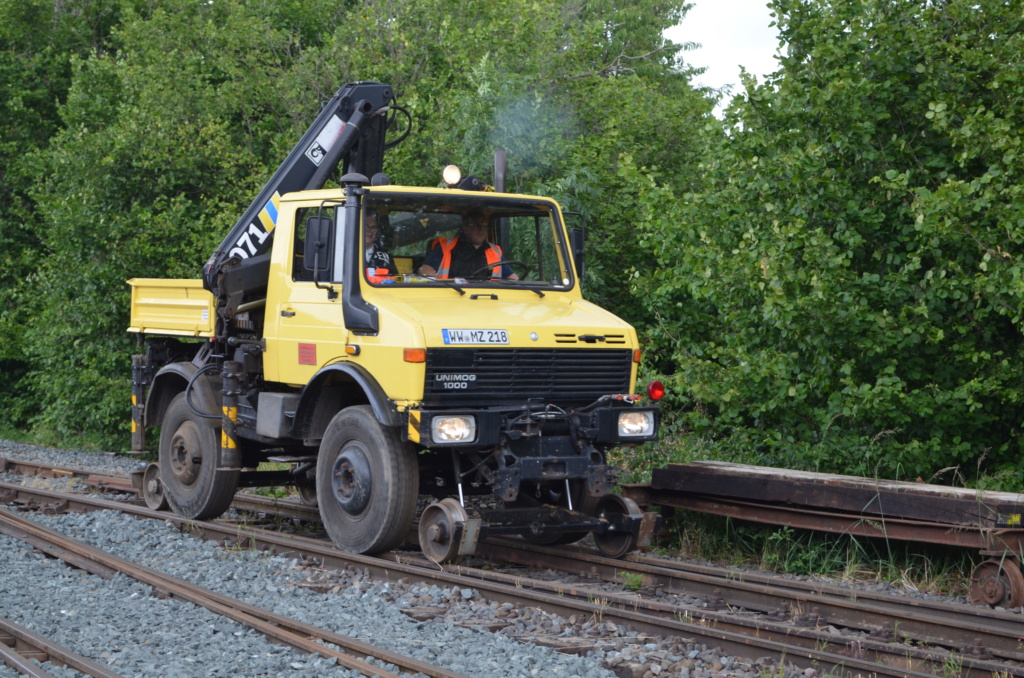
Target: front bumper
543, 430
538, 446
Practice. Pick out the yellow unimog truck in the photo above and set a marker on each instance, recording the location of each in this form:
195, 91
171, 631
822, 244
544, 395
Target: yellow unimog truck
334, 333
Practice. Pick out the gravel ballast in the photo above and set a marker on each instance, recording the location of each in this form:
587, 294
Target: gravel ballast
120, 623
97, 462
178, 638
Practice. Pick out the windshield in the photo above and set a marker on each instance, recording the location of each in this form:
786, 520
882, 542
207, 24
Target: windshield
464, 240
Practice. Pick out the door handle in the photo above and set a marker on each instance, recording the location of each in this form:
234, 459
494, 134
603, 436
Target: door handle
288, 314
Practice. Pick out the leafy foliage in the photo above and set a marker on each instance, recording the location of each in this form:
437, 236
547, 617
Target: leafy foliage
828, 278
845, 294
172, 114
39, 41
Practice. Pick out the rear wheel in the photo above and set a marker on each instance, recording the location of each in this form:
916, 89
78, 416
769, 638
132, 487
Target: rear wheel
189, 459
367, 482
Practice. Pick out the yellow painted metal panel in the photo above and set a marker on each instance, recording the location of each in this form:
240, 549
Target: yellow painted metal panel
175, 307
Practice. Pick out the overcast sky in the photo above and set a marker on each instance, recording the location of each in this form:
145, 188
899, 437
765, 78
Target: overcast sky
731, 33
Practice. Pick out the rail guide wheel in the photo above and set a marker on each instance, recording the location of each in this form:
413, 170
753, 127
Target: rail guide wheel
616, 543
441, 528
153, 488
997, 583
307, 493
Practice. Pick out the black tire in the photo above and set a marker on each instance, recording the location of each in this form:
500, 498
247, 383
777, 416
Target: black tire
189, 457
367, 482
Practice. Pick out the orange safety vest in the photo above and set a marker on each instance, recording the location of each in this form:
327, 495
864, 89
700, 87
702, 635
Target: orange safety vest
492, 254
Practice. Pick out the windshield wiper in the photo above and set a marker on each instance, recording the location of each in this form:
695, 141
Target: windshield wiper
518, 283
451, 283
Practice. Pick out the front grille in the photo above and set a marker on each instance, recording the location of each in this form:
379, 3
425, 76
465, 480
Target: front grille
563, 376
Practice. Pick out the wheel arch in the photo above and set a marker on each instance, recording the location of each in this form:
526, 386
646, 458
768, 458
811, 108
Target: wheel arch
334, 388
171, 380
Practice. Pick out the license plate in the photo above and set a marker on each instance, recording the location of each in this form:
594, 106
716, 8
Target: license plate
475, 336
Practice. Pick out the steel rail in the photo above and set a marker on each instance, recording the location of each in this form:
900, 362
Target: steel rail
20, 663
294, 633
285, 508
952, 626
327, 555
963, 622
102, 481
18, 645
807, 630
129, 485
613, 570
983, 537
931, 622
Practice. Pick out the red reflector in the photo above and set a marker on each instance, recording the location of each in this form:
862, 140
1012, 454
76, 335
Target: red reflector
656, 390
307, 354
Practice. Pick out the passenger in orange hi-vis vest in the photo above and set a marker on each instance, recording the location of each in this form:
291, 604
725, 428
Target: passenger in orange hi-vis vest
466, 255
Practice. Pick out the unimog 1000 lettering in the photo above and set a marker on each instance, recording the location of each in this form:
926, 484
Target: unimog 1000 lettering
334, 333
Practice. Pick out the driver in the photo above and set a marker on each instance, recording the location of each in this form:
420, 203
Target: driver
466, 255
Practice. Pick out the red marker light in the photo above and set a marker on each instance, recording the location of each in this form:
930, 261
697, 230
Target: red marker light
656, 390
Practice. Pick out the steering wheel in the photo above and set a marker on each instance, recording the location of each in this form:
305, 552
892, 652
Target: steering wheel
526, 269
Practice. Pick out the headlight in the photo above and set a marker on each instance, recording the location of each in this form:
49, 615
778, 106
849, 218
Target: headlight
460, 429
633, 424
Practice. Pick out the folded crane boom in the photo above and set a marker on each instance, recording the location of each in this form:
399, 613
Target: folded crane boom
350, 128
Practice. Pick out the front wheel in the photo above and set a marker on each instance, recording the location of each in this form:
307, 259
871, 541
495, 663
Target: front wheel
367, 482
191, 481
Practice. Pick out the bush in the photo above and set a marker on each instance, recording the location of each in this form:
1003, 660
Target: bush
846, 293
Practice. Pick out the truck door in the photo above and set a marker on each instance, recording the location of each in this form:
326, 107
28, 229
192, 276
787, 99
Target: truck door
305, 325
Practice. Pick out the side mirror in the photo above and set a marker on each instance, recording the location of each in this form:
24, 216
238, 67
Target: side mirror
316, 256
578, 251
576, 237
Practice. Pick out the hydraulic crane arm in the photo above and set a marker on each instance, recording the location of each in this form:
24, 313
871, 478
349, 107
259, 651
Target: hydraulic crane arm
351, 129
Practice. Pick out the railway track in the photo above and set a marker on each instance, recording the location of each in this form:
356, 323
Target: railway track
19, 645
914, 634
279, 628
809, 626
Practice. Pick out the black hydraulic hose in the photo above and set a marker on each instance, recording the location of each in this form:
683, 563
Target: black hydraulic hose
481, 463
188, 389
391, 119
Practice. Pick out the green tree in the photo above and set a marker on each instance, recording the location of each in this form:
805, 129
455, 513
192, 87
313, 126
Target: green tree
38, 39
162, 144
851, 274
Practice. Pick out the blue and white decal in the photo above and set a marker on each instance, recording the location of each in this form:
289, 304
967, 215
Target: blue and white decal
249, 243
